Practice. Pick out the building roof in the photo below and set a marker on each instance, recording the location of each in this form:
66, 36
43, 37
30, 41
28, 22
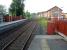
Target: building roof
55, 7
49, 10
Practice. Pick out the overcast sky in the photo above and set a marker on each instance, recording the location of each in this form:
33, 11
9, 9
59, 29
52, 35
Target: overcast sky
6, 3
39, 5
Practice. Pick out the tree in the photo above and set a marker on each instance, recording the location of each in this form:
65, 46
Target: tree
17, 8
2, 10
12, 9
28, 15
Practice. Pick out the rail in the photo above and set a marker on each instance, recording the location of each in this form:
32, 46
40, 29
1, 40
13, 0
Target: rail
17, 39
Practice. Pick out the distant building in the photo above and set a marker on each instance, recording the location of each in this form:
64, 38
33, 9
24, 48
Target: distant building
53, 12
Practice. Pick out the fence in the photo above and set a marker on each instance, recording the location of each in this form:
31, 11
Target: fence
59, 25
12, 18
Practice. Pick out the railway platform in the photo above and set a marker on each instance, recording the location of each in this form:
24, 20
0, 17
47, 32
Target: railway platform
29, 35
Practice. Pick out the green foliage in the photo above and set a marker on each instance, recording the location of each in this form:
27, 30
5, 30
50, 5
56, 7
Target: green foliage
2, 10
12, 9
28, 15
43, 21
17, 8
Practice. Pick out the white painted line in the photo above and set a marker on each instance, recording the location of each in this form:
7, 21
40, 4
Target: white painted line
61, 34
44, 45
7, 23
49, 36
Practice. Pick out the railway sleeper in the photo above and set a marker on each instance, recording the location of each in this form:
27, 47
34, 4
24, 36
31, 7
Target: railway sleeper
14, 35
20, 42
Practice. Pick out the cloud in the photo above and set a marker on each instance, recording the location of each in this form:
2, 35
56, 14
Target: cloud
43, 5
6, 3
39, 5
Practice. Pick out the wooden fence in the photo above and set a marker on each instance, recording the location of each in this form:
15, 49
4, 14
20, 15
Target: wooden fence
12, 18
59, 26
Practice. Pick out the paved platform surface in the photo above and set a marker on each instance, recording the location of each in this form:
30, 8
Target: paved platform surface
7, 23
42, 41
57, 44
47, 42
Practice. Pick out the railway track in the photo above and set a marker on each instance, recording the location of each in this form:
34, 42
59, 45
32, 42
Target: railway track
20, 42
18, 38
7, 37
